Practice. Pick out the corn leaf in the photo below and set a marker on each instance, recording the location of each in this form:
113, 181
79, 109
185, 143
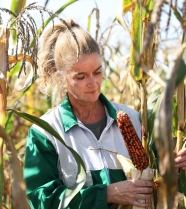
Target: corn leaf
15, 69
181, 73
16, 7
127, 5
148, 8
9, 122
81, 175
136, 33
89, 22
177, 14
163, 134
183, 181
153, 106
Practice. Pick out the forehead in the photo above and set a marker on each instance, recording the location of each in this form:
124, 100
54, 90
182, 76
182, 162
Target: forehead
87, 62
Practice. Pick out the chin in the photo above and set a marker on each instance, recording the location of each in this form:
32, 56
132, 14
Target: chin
92, 98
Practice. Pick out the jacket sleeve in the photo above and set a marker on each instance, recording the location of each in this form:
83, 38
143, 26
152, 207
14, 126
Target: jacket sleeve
44, 187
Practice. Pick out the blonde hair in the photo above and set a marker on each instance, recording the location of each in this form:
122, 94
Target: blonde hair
61, 46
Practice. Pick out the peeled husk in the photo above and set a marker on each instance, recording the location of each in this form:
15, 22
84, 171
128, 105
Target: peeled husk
147, 174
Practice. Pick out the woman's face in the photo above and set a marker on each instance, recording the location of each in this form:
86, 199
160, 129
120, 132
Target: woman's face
85, 78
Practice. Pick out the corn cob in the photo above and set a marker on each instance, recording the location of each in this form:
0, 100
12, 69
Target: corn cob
134, 146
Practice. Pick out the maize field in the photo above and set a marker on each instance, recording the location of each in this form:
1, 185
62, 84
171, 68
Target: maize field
145, 69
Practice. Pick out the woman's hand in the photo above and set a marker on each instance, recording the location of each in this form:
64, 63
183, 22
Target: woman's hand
129, 192
180, 160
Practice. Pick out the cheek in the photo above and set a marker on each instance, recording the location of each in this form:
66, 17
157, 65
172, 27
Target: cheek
100, 79
75, 85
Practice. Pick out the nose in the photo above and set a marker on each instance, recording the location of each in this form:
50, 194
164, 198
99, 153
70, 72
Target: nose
91, 82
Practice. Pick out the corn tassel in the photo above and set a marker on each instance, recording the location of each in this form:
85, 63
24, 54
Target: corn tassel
135, 148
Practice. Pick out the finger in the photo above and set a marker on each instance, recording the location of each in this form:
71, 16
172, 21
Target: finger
182, 152
181, 165
143, 183
180, 159
142, 205
144, 196
143, 190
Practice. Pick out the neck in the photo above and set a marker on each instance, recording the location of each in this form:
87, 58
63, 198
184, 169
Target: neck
88, 112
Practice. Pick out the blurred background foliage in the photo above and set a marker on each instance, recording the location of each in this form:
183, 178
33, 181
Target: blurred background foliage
136, 62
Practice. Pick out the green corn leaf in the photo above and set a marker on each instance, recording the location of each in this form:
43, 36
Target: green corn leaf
15, 69
136, 33
16, 7
183, 181
153, 106
178, 15
127, 5
9, 122
53, 16
181, 73
81, 175
89, 22
148, 8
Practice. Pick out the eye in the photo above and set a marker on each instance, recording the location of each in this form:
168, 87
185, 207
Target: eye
80, 77
97, 72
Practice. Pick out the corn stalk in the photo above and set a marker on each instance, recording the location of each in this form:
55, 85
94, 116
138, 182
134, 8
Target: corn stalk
163, 136
18, 183
3, 73
180, 115
181, 110
141, 14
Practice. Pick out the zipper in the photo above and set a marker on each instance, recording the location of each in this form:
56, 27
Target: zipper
102, 156
105, 165
99, 146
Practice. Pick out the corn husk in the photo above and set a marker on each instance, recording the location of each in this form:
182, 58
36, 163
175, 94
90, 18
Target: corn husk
181, 201
132, 173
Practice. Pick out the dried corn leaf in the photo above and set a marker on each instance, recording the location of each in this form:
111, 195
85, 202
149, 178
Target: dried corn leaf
12, 59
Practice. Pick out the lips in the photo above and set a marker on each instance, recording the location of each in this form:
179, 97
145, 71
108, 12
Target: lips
91, 92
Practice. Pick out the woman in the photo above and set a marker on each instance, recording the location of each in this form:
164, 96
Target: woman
70, 66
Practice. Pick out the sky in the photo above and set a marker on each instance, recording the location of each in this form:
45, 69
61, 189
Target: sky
79, 10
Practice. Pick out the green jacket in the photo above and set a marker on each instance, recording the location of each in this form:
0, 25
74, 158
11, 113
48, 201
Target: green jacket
50, 167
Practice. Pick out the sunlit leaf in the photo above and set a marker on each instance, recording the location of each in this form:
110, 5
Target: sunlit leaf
13, 59
127, 5
81, 175
15, 69
147, 9
136, 35
89, 22
16, 7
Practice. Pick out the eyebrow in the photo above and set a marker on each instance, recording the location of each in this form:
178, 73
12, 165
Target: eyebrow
85, 72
